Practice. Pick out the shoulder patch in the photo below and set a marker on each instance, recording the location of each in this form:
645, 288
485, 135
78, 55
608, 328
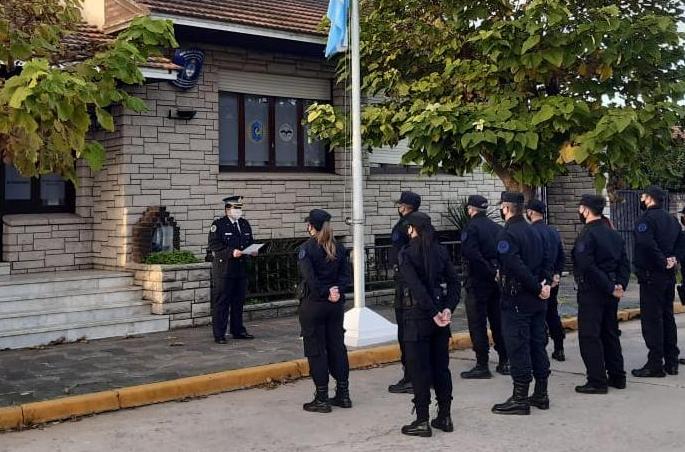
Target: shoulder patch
464, 236
213, 228
395, 236
503, 247
642, 227
302, 254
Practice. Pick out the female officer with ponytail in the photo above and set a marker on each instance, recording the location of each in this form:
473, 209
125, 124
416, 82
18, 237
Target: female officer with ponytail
434, 292
324, 272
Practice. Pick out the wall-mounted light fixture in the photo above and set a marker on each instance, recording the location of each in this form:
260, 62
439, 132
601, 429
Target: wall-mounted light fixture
182, 114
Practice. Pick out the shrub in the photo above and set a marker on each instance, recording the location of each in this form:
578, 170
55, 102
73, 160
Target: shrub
171, 258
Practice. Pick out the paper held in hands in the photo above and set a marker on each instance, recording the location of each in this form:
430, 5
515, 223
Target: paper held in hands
252, 248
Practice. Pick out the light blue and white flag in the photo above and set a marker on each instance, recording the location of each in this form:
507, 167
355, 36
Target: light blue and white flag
338, 12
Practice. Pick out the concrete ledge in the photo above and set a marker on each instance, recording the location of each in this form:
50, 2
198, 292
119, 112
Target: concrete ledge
64, 408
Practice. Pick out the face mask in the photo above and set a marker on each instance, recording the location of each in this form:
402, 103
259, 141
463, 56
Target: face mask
235, 213
581, 217
643, 205
682, 221
501, 214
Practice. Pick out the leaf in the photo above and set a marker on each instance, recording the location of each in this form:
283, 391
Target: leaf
605, 72
554, 56
313, 115
567, 153
19, 96
531, 42
104, 119
545, 113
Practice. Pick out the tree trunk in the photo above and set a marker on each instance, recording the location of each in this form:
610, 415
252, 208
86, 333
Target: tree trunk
510, 184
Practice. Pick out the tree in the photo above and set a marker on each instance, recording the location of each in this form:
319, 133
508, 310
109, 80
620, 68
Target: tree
50, 87
520, 87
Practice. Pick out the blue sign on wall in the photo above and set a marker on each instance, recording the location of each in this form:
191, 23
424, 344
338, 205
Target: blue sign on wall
190, 61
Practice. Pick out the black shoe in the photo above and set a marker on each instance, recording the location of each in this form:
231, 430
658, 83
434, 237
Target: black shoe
672, 369
617, 382
517, 404
503, 367
559, 355
681, 360
220, 340
589, 388
244, 335
443, 423
342, 395
540, 398
479, 372
320, 404
418, 428
646, 372
403, 386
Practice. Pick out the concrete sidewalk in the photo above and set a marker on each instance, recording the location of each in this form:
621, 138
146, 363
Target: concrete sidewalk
647, 416
32, 375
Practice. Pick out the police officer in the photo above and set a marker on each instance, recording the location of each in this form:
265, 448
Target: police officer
325, 275
602, 272
409, 202
554, 261
434, 292
228, 236
655, 257
524, 295
479, 250
681, 289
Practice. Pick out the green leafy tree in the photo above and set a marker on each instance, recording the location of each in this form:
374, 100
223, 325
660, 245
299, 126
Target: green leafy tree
50, 85
521, 88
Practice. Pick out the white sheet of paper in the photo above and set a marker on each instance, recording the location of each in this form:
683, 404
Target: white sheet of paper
252, 248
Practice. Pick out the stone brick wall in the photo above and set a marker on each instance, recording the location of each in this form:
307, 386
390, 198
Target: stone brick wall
46, 242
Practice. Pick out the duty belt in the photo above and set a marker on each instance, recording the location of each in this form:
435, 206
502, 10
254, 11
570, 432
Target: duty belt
509, 285
408, 301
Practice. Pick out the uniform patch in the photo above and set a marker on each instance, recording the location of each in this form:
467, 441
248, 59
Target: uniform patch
642, 227
213, 228
503, 247
395, 236
302, 254
464, 236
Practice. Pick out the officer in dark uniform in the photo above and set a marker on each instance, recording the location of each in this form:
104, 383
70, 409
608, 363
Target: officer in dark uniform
409, 202
655, 258
554, 257
602, 272
228, 236
479, 250
681, 288
434, 291
524, 294
325, 275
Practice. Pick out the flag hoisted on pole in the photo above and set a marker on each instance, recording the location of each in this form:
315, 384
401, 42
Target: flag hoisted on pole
337, 38
362, 325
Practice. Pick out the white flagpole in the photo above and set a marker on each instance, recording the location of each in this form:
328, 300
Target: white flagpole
362, 325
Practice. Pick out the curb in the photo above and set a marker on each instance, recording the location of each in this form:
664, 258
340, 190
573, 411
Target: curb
29, 414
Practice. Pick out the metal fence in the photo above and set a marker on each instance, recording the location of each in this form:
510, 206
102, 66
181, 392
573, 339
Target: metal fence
274, 276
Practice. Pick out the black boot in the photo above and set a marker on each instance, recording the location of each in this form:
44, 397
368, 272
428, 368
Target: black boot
590, 388
558, 354
418, 428
479, 372
320, 404
516, 404
671, 369
403, 386
618, 382
342, 395
648, 372
540, 398
503, 366
444, 420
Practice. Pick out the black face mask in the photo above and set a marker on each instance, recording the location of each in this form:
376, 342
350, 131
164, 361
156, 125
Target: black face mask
682, 221
581, 218
501, 214
643, 205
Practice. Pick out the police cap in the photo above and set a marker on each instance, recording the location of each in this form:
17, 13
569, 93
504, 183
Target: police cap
513, 197
656, 193
317, 217
596, 203
537, 206
418, 219
477, 201
233, 201
410, 198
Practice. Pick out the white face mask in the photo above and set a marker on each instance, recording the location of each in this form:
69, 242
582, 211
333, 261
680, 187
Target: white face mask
235, 214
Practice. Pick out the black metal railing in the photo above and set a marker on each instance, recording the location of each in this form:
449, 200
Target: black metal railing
274, 276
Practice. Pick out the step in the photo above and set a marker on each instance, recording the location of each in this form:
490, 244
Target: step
46, 283
78, 298
88, 330
29, 320
5, 268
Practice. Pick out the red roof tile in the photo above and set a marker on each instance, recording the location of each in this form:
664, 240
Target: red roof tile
300, 16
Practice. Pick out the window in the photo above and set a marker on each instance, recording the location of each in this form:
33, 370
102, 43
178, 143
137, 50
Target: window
49, 193
265, 133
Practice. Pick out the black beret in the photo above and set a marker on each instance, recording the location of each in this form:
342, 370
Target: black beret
656, 193
418, 219
410, 198
595, 202
477, 201
317, 217
536, 205
513, 197
233, 201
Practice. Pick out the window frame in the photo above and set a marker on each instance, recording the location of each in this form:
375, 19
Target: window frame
271, 167
35, 204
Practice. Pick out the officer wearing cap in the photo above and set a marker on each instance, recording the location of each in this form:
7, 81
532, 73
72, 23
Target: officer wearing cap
228, 236
479, 252
554, 263
524, 294
409, 202
434, 292
325, 275
655, 258
602, 271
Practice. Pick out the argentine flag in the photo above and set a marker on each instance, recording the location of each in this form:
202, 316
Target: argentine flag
338, 11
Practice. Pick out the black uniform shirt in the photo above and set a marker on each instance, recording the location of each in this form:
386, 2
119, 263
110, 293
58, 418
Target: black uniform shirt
479, 249
399, 239
599, 258
319, 273
656, 239
425, 288
520, 253
224, 238
553, 250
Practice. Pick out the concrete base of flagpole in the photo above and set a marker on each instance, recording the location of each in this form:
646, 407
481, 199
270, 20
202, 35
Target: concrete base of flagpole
364, 327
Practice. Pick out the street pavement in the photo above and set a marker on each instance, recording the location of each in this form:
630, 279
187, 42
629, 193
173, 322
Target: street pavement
648, 416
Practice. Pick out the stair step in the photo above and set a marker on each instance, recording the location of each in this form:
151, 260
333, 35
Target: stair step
5, 268
71, 299
79, 330
35, 284
60, 315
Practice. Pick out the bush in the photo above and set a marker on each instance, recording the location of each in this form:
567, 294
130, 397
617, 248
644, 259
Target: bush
171, 258
457, 214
